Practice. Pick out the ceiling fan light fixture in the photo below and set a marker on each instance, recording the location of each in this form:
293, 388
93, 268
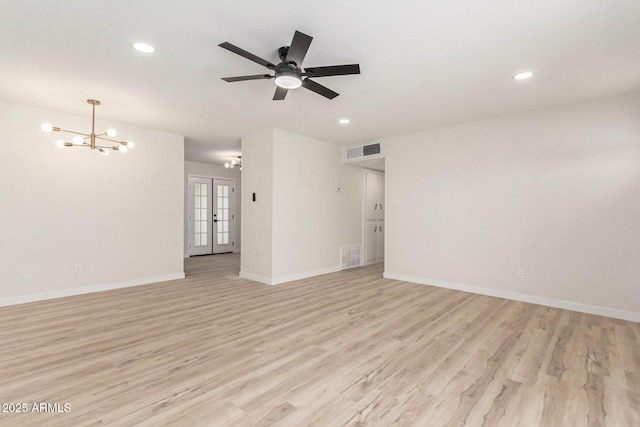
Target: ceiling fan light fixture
288, 80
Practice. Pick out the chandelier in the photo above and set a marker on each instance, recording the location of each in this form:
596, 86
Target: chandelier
91, 140
234, 163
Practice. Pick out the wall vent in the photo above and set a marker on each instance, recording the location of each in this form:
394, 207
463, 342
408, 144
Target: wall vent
363, 151
350, 256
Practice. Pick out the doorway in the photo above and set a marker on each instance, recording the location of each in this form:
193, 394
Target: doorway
212, 215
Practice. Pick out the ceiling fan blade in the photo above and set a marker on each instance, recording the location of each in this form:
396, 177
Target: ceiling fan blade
319, 89
243, 78
299, 47
248, 55
333, 70
280, 93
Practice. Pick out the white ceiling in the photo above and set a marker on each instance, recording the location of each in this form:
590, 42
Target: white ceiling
425, 63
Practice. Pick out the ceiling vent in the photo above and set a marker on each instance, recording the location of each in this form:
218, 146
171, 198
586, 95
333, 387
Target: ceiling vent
361, 151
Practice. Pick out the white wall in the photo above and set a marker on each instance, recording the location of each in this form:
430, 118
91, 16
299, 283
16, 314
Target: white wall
299, 220
119, 216
555, 192
212, 171
311, 218
257, 170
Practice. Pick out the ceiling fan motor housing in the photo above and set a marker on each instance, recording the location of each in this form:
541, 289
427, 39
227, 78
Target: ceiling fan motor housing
287, 68
282, 53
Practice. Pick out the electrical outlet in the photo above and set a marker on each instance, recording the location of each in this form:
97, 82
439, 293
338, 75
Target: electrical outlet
520, 273
77, 268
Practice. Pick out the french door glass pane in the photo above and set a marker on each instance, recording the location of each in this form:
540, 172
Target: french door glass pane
222, 229
200, 214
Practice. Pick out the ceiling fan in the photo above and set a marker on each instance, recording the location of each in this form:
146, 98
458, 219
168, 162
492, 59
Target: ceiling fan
289, 73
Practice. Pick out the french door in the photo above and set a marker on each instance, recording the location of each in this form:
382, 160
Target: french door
211, 216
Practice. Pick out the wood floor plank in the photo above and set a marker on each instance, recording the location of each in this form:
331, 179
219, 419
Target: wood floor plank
343, 349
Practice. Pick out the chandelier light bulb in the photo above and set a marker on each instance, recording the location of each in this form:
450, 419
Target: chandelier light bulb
60, 143
47, 127
111, 132
234, 163
103, 151
122, 148
130, 144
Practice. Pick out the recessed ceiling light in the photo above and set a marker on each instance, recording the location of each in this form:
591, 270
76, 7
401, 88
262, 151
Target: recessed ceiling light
143, 47
523, 76
343, 121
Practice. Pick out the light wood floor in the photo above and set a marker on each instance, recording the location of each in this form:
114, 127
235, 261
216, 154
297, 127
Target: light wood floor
344, 349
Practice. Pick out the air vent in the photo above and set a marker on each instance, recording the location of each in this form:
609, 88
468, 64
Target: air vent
349, 256
371, 149
363, 151
354, 153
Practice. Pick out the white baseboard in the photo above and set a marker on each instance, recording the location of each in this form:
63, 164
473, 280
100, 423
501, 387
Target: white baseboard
22, 299
305, 275
290, 278
516, 296
256, 278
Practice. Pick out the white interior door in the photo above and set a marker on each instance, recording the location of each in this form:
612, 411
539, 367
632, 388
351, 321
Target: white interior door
223, 216
211, 216
380, 239
371, 241
381, 202
373, 216
200, 216
371, 195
